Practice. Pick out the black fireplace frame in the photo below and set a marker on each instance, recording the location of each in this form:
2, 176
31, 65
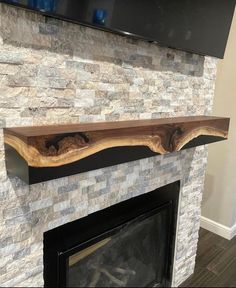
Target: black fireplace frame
62, 242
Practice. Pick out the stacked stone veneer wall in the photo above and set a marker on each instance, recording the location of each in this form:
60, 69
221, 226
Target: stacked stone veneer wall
55, 72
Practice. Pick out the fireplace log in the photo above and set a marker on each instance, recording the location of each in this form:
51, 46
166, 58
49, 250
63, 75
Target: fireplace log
124, 271
119, 283
95, 278
106, 269
43, 153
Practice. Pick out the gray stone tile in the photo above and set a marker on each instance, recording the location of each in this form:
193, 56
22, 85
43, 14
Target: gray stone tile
5, 241
21, 254
68, 188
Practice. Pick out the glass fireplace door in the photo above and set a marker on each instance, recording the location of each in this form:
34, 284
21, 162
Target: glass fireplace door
130, 255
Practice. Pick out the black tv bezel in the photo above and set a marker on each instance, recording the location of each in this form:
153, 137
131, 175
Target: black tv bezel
116, 31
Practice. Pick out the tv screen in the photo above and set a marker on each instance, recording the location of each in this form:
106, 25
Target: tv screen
199, 26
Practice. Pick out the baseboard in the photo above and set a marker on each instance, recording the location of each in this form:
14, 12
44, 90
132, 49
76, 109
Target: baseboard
234, 231
217, 228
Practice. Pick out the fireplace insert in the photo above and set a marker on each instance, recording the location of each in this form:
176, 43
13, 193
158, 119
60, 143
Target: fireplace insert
130, 244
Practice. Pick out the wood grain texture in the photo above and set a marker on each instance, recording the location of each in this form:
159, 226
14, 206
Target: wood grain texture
32, 131
54, 146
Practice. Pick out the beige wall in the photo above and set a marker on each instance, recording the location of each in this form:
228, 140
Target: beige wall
219, 200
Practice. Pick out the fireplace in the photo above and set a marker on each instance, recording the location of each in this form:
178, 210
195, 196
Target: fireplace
130, 244
58, 73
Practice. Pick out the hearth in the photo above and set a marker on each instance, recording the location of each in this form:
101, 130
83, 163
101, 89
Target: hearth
130, 244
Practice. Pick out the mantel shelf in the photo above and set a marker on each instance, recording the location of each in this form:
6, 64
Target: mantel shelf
37, 154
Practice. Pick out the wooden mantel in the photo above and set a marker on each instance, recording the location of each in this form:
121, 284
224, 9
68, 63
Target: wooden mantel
37, 154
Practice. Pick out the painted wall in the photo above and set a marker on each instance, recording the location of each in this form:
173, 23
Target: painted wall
219, 202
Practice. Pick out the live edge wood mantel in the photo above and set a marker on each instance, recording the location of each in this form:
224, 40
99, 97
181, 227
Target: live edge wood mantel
37, 154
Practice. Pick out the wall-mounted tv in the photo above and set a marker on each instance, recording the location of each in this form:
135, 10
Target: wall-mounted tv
199, 26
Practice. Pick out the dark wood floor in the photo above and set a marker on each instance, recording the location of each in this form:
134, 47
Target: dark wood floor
215, 263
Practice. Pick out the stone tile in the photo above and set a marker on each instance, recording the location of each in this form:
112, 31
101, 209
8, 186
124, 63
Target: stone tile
16, 58
6, 241
22, 253
41, 204
61, 206
58, 222
68, 188
68, 211
14, 212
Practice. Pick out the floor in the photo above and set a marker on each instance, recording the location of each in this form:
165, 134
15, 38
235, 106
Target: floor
215, 263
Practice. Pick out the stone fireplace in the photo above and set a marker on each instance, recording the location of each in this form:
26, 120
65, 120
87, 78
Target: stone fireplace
130, 244
53, 72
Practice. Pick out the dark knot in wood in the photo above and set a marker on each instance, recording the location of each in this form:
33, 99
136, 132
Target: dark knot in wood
55, 142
